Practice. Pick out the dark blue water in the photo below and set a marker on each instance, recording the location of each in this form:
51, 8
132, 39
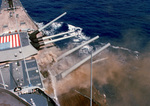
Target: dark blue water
121, 22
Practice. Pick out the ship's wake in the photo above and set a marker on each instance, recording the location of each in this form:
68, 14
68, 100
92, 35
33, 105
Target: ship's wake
119, 73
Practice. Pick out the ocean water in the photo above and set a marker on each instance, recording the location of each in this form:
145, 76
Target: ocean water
123, 23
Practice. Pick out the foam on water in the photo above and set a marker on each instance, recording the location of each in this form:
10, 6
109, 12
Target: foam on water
79, 39
136, 53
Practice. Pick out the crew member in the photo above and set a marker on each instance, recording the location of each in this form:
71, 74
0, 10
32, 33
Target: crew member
10, 2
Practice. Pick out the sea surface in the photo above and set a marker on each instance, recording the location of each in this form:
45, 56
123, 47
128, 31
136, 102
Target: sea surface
123, 23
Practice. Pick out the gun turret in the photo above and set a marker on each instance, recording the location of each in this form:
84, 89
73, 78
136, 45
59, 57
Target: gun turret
33, 37
39, 44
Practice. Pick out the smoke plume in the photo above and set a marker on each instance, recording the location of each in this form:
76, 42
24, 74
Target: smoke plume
123, 77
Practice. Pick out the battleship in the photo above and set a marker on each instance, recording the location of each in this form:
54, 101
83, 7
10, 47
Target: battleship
21, 44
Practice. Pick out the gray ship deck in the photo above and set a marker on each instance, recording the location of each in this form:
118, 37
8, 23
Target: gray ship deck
10, 50
14, 74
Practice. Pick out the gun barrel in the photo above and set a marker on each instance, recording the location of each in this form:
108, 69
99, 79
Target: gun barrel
52, 21
65, 73
55, 40
76, 48
52, 36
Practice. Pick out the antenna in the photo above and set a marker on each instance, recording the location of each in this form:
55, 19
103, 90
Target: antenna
91, 75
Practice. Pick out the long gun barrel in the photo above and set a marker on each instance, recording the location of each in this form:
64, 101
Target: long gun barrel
76, 48
52, 36
33, 34
56, 40
65, 73
52, 21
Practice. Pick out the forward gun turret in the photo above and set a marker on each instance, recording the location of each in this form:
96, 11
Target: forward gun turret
38, 42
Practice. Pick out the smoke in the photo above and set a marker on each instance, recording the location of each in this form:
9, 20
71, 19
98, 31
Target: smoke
125, 79
122, 77
136, 39
77, 79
